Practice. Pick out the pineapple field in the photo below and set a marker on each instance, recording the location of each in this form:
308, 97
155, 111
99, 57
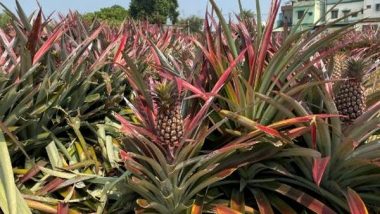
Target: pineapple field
140, 118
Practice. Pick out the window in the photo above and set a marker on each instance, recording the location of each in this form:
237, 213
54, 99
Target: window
368, 6
334, 14
377, 7
354, 15
370, 27
300, 14
345, 14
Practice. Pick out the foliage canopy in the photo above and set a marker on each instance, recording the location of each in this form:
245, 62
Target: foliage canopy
192, 24
113, 15
4, 19
154, 11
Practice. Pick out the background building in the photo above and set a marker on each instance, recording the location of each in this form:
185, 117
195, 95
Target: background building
319, 12
309, 12
286, 15
372, 13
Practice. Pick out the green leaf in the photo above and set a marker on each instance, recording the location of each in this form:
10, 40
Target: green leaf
11, 201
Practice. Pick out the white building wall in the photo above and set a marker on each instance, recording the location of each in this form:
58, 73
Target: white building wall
371, 12
346, 6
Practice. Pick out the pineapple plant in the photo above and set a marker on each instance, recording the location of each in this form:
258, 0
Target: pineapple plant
169, 123
350, 99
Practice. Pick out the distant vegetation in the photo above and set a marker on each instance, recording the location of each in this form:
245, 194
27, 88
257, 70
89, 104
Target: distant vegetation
192, 24
4, 19
155, 11
112, 15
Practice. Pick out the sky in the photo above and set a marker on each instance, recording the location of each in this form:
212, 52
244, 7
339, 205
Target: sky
186, 7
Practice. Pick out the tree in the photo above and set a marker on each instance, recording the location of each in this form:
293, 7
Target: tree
112, 15
154, 11
192, 24
5, 19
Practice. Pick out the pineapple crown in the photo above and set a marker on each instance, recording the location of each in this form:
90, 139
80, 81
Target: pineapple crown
356, 69
165, 94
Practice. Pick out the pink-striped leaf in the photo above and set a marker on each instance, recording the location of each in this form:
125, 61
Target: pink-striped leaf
118, 55
221, 209
268, 130
355, 202
223, 79
50, 186
49, 42
63, 208
34, 34
33, 171
319, 168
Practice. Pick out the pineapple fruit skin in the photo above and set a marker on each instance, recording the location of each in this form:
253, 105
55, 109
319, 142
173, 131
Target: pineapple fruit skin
170, 126
169, 120
350, 100
339, 65
350, 97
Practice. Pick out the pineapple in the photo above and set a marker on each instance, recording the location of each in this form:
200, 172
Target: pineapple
350, 99
169, 123
338, 65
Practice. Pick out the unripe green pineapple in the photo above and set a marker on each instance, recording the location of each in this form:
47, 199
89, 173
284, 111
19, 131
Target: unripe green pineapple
350, 99
169, 124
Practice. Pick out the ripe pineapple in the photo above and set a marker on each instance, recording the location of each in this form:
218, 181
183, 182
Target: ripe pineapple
169, 124
350, 99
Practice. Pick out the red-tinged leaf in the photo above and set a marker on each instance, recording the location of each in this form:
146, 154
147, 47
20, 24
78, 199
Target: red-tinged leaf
63, 208
58, 32
225, 173
197, 206
34, 34
237, 200
296, 132
301, 197
33, 171
179, 84
211, 57
314, 133
303, 119
268, 130
224, 77
103, 55
50, 186
263, 203
124, 156
118, 55
126, 125
194, 123
208, 34
192, 88
130, 129
127, 161
319, 168
356, 204
220, 209
72, 181
263, 51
